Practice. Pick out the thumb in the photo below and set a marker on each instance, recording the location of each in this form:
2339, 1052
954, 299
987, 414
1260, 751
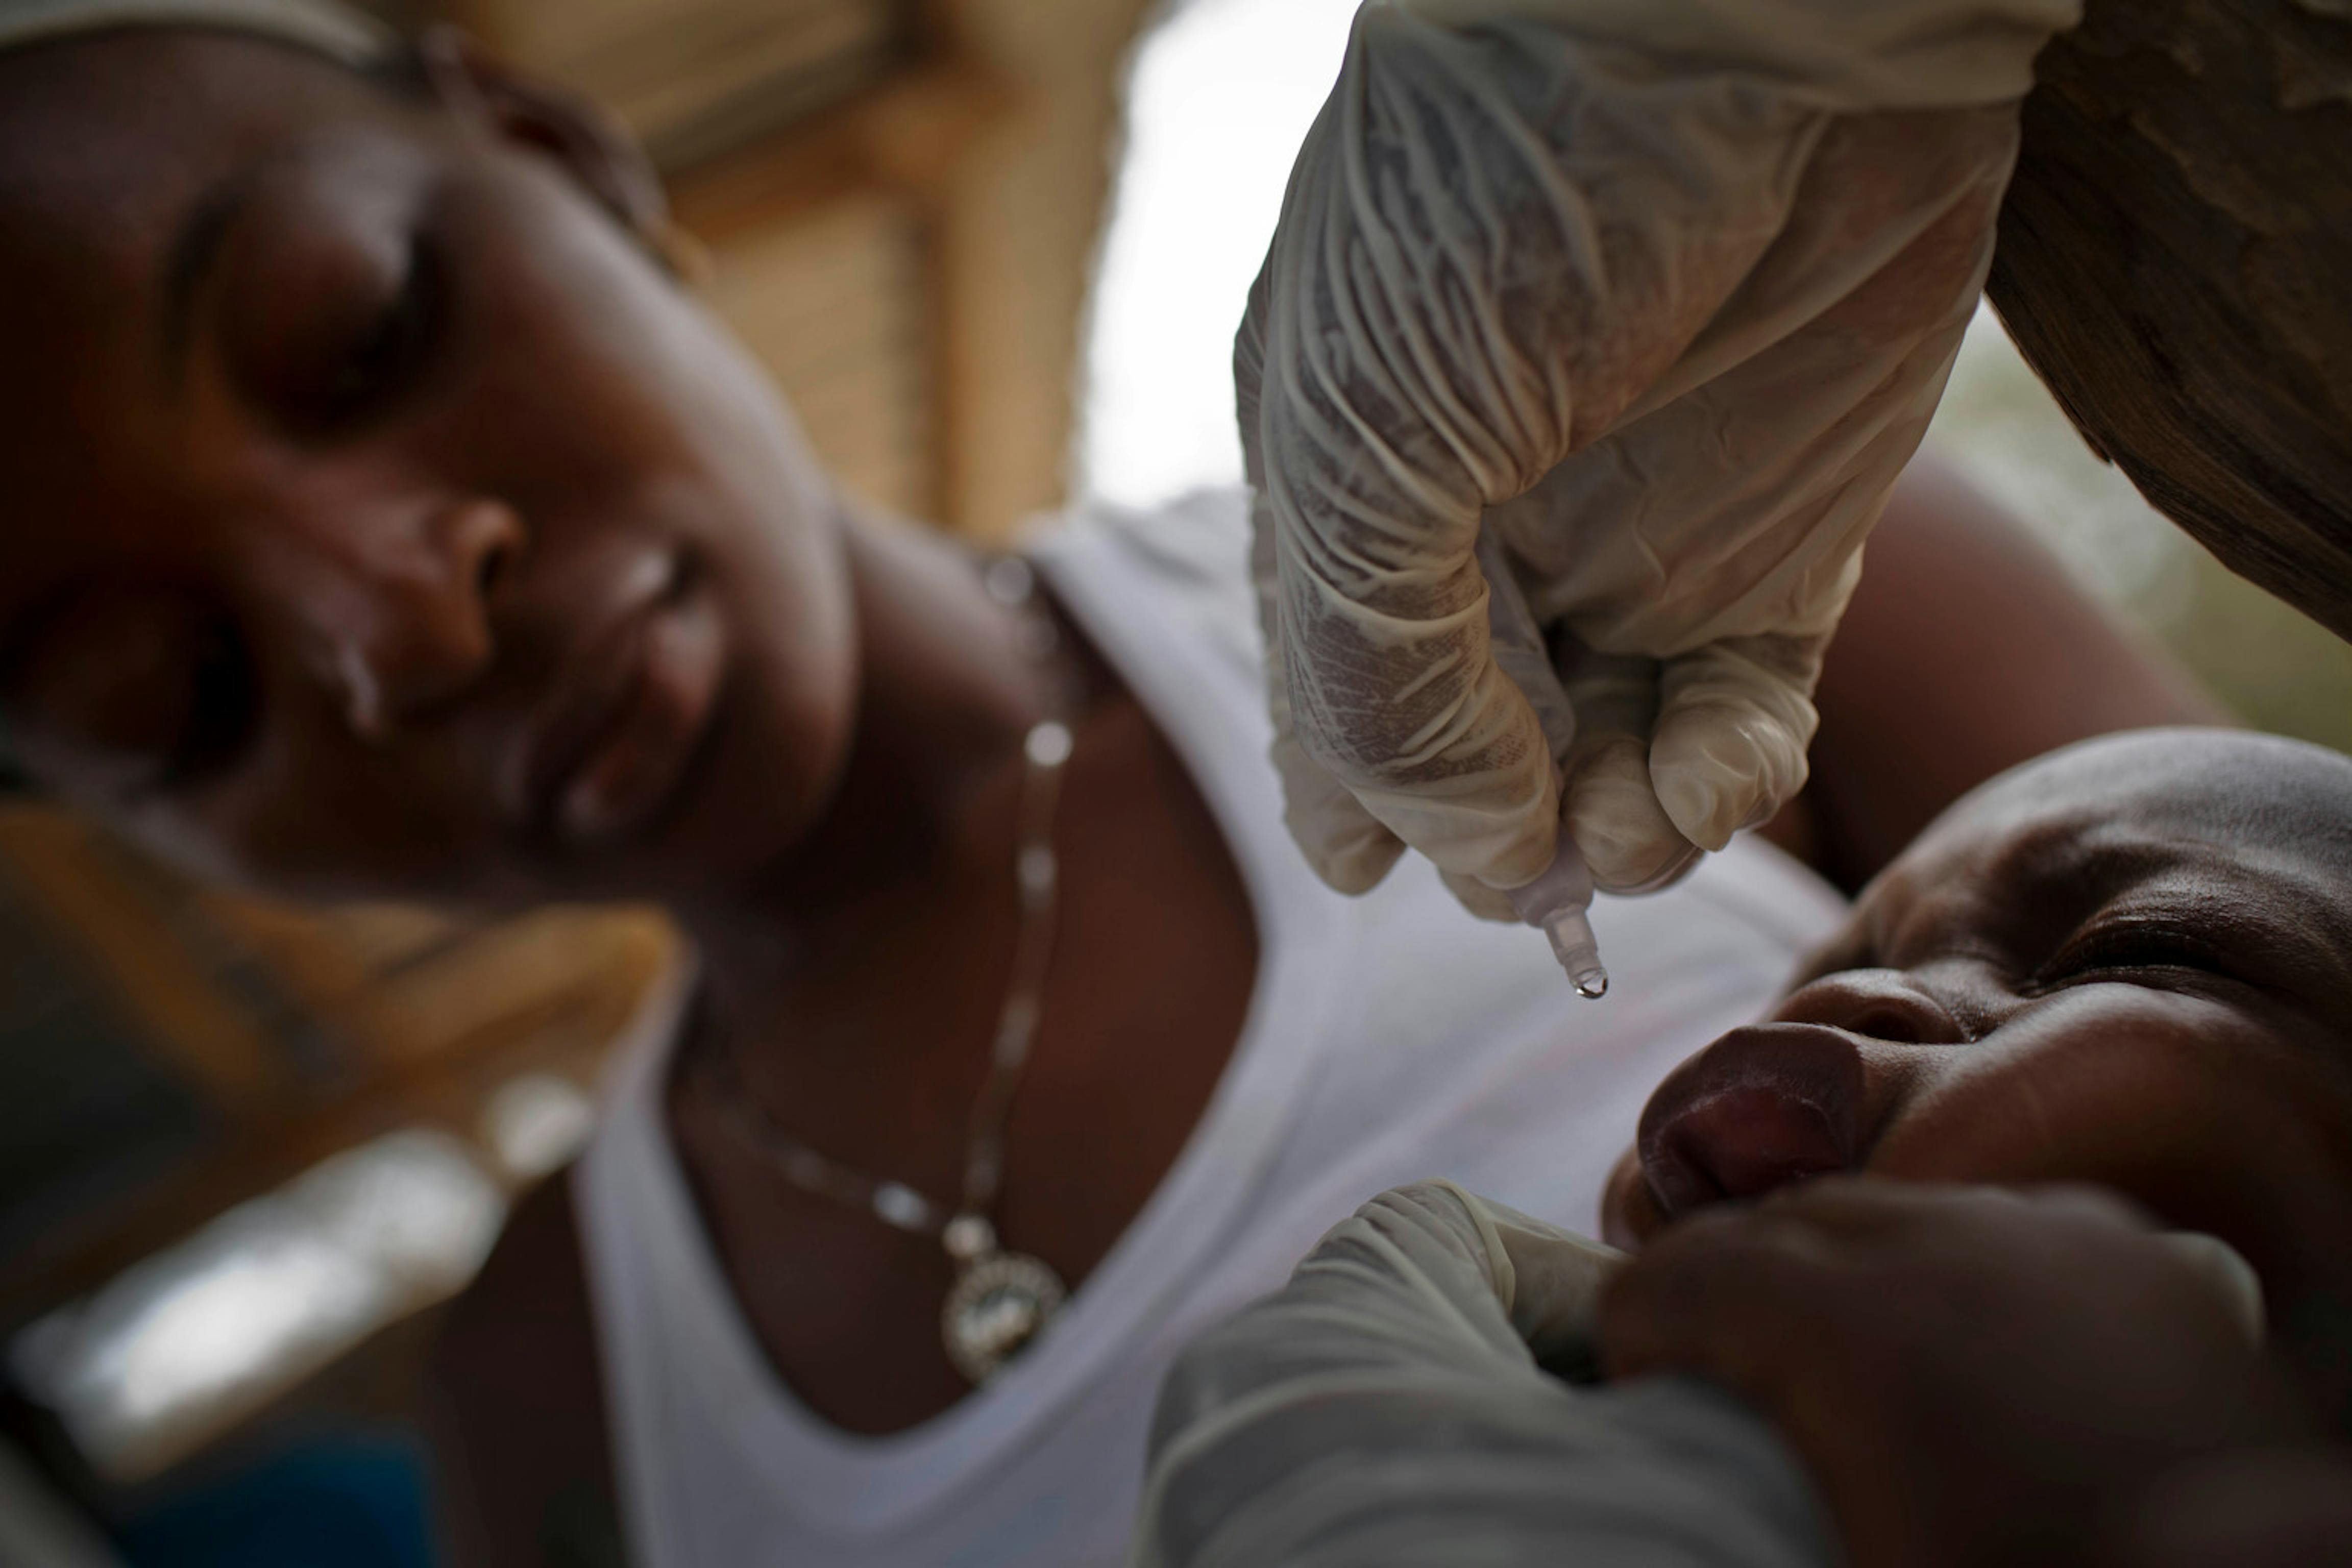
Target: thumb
1733, 719
1345, 844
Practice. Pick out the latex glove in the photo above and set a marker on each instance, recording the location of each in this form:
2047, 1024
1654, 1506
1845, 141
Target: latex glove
1388, 1407
1662, 291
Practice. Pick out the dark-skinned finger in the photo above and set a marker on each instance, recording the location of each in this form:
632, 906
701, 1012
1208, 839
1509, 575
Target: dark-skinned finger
1865, 1207
1720, 1294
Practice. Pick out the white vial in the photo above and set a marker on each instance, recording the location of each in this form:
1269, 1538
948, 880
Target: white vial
1554, 903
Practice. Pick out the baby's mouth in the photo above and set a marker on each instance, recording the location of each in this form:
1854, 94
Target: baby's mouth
1760, 1109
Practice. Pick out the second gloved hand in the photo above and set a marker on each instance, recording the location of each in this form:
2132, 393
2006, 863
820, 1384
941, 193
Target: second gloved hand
1665, 310
1391, 1407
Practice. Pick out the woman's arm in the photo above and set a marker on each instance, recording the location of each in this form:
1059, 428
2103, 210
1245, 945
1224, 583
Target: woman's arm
514, 1405
1966, 651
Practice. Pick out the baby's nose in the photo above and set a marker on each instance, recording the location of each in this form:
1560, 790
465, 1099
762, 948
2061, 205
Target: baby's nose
1878, 1004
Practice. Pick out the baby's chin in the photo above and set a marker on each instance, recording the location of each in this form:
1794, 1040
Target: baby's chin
1630, 1216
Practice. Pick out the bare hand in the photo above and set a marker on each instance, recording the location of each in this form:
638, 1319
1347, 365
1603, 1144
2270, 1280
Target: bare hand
1974, 1376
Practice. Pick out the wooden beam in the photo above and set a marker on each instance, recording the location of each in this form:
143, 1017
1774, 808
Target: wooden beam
1018, 233
906, 133
2176, 262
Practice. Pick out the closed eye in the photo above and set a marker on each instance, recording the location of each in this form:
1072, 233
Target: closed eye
2128, 948
391, 350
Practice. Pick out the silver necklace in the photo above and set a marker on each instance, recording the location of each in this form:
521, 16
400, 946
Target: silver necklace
1000, 1301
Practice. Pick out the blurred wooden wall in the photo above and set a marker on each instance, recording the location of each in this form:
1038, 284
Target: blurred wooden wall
902, 201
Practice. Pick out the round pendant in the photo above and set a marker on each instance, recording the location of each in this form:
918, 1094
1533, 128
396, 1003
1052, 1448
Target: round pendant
997, 1306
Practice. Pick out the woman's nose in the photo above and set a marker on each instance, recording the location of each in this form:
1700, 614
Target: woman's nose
415, 631
1878, 1004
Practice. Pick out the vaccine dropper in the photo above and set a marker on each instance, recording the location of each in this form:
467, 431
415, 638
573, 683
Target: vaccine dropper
1556, 901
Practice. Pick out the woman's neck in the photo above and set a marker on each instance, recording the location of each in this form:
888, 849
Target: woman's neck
860, 989
873, 948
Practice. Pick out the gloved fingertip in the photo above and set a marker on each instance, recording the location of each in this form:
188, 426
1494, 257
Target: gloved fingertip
1662, 868
1350, 859
1485, 902
1348, 848
1614, 815
1718, 771
1530, 853
1634, 856
1702, 805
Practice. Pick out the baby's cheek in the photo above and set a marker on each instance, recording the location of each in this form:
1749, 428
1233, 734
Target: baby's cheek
2173, 1102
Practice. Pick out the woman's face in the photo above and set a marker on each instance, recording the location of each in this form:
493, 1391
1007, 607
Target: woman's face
380, 519
2128, 963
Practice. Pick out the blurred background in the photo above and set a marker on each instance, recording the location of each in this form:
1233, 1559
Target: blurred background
994, 250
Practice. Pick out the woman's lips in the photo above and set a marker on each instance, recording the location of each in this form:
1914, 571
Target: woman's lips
1760, 1108
616, 739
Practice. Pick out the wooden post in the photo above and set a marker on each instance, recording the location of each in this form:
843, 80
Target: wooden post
2176, 262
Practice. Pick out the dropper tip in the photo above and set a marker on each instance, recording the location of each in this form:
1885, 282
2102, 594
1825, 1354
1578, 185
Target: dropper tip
1578, 954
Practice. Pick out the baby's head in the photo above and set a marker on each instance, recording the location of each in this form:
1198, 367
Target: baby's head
2127, 963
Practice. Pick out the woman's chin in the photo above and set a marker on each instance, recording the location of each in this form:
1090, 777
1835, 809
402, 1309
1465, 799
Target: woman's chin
746, 799
1630, 1214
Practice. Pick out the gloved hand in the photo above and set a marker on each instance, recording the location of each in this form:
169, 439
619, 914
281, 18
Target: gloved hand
1661, 293
1386, 1408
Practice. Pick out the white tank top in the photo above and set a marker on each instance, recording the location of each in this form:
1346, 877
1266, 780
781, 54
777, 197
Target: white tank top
1388, 1037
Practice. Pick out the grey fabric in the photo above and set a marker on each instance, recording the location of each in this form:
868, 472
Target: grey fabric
1391, 1406
321, 25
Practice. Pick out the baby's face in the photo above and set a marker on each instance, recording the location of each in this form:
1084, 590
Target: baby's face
2128, 963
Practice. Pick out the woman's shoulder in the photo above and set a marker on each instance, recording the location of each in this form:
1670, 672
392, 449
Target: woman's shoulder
1145, 575
1163, 594
1199, 539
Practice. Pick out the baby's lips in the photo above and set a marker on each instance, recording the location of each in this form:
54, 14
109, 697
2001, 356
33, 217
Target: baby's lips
1760, 1109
